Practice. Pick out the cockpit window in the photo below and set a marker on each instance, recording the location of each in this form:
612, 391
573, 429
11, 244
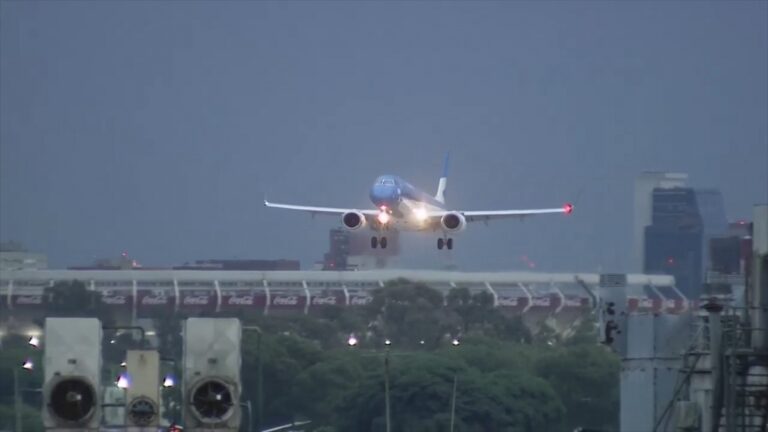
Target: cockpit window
388, 182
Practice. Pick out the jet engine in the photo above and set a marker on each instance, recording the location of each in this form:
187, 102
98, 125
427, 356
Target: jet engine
453, 222
353, 220
72, 372
211, 384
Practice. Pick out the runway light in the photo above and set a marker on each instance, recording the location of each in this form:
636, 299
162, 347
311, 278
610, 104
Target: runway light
28, 365
387, 342
34, 341
455, 342
168, 381
568, 208
352, 341
421, 342
420, 214
122, 381
383, 217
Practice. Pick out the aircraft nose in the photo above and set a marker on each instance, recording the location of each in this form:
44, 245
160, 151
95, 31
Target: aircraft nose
383, 195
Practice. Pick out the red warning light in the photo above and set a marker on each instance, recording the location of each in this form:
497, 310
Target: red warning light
568, 208
670, 261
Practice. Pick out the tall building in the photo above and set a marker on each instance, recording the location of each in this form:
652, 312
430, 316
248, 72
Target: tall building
351, 250
674, 239
13, 256
713, 218
645, 183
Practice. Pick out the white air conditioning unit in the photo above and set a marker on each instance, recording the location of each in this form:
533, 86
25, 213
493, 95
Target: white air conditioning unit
142, 407
72, 369
211, 367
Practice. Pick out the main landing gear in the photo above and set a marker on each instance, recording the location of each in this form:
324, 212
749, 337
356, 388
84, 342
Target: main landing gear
447, 243
378, 241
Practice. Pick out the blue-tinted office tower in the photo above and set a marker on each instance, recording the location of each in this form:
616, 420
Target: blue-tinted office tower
674, 240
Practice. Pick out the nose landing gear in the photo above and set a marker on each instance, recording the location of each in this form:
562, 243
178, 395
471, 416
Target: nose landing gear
447, 243
376, 242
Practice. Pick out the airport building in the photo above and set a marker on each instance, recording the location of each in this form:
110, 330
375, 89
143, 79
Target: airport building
151, 293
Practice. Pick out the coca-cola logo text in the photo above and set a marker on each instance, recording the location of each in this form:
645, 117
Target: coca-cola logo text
507, 301
285, 300
114, 300
240, 301
29, 300
197, 300
329, 300
154, 300
541, 301
360, 300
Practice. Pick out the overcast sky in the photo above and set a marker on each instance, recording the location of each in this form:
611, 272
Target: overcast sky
157, 128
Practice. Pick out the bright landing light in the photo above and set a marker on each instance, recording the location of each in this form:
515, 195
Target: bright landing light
352, 341
122, 381
420, 214
383, 217
168, 381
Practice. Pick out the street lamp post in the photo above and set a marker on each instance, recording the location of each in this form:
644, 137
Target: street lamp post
17, 399
260, 373
453, 401
386, 388
455, 343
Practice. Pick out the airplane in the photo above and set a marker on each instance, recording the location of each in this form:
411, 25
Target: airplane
402, 206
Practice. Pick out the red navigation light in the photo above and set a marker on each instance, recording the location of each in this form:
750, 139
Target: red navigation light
568, 208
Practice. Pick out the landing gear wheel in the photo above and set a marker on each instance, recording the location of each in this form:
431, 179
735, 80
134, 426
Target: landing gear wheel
383, 242
440, 243
374, 242
449, 243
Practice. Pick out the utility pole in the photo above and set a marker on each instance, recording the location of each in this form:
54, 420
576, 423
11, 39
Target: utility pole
260, 373
17, 399
453, 401
386, 388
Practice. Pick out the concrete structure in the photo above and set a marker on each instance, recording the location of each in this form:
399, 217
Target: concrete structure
19, 260
72, 369
705, 371
211, 385
133, 294
645, 183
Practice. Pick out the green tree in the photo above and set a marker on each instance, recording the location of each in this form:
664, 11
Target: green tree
587, 379
408, 313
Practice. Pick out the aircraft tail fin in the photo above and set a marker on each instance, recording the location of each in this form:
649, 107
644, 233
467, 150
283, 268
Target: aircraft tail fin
441, 185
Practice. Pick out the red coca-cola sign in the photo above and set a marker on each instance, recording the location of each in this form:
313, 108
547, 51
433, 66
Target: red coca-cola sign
155, 301
21, 301
288, 300
674, 305
509, 301
328, 298
242, 299
360, 300
197, 300
576, 302
117, 298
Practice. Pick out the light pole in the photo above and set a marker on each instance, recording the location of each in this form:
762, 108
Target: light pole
455, 343
386, 387
17, 399
352, 342
260, 385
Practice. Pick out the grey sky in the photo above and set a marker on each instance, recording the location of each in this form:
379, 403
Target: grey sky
157, 127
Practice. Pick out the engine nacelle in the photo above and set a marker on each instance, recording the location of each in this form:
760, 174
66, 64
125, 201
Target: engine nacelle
353, 220
453, 222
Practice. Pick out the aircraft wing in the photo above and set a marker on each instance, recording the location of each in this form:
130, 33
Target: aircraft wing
473, 216
318, 210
